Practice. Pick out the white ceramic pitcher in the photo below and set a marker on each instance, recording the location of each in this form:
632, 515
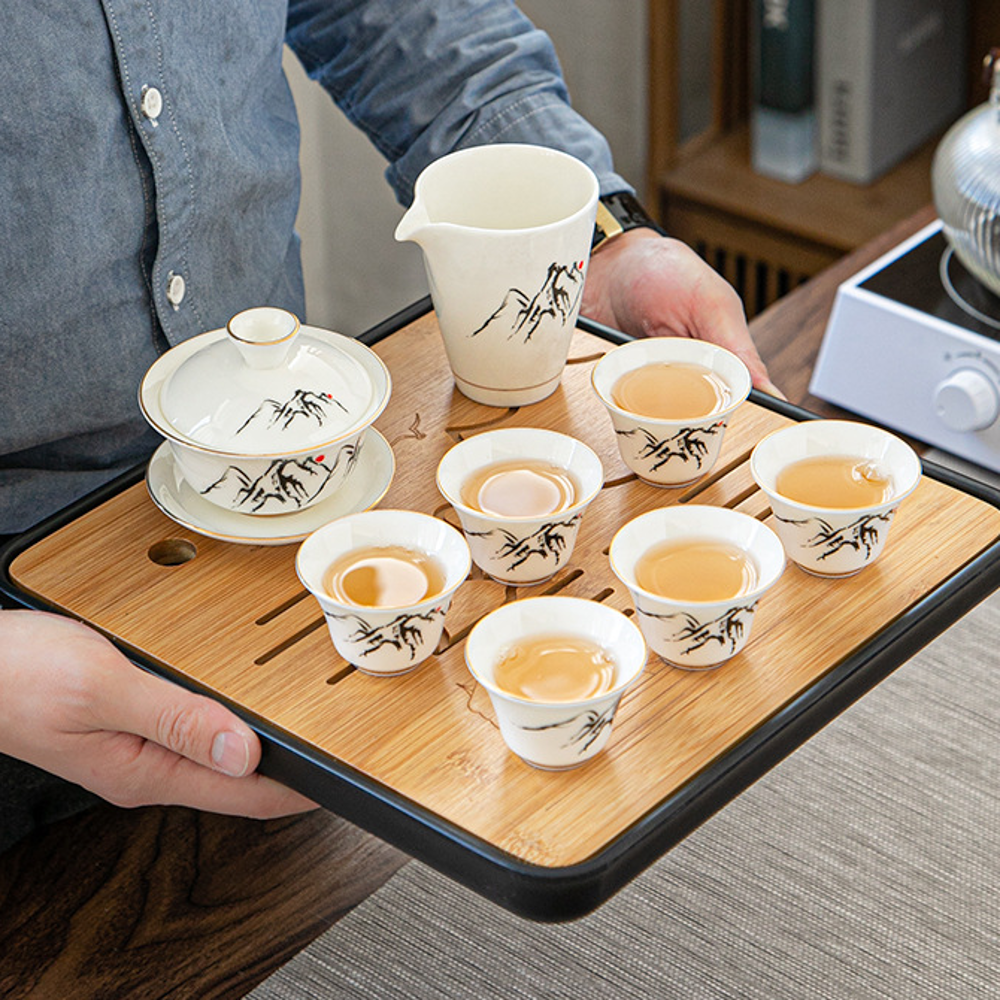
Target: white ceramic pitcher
505, 232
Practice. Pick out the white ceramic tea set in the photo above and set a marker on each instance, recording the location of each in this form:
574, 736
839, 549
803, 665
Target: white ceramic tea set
269, 440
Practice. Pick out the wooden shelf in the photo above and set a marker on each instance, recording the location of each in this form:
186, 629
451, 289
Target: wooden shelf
765, 236
834, 214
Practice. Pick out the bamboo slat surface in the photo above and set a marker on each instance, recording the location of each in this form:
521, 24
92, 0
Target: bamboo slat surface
236, 619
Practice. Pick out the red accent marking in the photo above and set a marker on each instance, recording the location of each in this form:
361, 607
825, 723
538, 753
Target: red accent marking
319, 458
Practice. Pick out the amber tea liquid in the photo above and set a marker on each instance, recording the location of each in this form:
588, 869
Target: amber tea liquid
838, 481
555, 668
522, 488
696, 570
388, 576
671, 391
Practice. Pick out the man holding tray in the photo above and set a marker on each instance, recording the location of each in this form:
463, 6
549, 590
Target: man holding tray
148, 191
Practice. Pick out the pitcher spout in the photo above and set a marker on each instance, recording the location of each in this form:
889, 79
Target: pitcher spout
414, 226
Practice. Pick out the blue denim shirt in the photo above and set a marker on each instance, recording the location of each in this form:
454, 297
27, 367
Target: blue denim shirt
149, 183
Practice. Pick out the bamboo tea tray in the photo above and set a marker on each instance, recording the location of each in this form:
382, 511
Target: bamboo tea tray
418, 759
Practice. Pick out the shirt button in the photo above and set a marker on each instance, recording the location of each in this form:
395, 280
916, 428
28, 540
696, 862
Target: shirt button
175, 289
151, 102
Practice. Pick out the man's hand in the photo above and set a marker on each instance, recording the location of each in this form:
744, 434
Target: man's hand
647, 285
71, 704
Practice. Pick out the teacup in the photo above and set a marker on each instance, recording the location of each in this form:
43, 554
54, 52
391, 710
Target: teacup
394, 636
555, 735
505, 231
823, 538
697, 628
526, 547
675, 450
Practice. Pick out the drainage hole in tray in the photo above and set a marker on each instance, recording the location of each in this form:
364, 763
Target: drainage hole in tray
172, 552
281, 608
345, 671
735, 501
712, 478
289, 642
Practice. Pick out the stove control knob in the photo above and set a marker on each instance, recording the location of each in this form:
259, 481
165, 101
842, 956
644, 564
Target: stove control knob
966, 401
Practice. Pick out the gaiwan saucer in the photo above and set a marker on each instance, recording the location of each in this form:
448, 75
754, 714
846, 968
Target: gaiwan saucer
180, 502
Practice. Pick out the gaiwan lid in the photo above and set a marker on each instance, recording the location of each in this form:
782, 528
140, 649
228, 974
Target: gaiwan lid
265, 386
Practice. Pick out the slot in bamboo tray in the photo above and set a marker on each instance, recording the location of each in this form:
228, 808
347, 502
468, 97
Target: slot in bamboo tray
425, 747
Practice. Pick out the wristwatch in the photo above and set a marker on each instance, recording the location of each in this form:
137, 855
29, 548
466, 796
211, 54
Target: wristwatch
618, 213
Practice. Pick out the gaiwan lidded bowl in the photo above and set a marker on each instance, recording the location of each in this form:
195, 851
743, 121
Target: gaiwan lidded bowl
265, 417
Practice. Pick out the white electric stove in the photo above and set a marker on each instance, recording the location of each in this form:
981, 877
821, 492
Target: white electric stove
913, 343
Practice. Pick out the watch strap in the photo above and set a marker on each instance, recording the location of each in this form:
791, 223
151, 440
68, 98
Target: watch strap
618, 213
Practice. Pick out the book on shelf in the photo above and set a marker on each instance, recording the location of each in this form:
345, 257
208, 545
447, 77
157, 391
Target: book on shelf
783, 115
890, 76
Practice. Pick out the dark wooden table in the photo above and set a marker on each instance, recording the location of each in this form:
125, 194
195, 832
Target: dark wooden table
169, 902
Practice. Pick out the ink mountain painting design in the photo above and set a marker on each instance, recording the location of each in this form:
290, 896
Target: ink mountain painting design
548, 542
587, 726
727, 630
305, 406
288, 484
860, 536
522, 312
404, 633
690, 444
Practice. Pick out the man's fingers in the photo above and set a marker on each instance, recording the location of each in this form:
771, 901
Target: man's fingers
187, 724
771, 389
74, 705
147, 773
723, 321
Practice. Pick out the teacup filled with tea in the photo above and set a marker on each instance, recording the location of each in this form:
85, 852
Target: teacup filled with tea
385, 580
555, 669
669, 399
834, 486
520, 494
696, 574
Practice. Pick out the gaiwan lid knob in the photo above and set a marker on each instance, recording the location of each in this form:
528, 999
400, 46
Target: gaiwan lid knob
263, 335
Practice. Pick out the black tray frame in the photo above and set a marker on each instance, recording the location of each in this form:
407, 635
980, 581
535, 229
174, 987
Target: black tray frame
566, 893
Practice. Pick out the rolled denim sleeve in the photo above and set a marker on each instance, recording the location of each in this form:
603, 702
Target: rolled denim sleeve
424, 77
